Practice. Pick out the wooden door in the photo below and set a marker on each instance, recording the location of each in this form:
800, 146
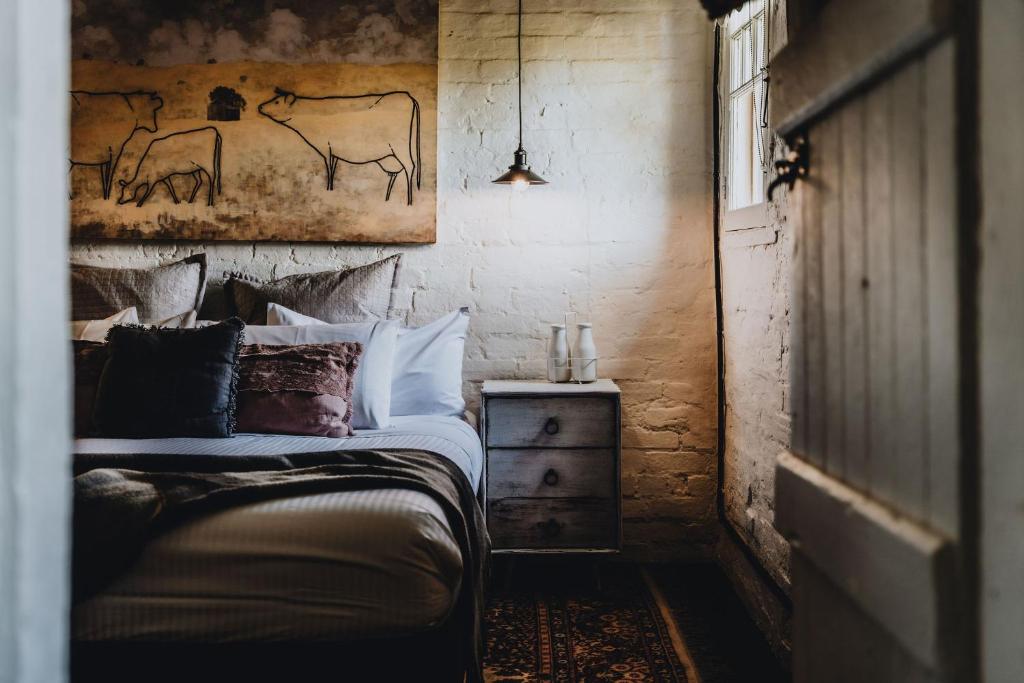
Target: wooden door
870, 493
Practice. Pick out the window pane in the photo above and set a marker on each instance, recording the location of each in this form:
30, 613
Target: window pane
745, 174
739, 151
736, 63
756, 150
740, 66
757, 189
758, 27
748, 67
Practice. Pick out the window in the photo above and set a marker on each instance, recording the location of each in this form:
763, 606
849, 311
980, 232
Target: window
747, 146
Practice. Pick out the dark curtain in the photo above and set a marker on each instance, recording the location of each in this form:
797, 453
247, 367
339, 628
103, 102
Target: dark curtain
718, 8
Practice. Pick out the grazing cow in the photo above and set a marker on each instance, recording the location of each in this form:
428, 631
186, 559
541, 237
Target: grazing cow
381, 129
194, 153
103, 122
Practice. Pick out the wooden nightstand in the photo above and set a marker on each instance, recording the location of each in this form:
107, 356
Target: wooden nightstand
551, 466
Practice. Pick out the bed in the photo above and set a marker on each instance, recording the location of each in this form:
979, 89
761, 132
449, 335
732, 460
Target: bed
329, 577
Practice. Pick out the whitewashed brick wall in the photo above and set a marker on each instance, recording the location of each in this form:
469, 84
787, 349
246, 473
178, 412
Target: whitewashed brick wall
617, 102
756, 265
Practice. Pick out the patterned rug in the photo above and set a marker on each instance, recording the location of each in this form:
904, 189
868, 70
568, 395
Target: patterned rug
568, 625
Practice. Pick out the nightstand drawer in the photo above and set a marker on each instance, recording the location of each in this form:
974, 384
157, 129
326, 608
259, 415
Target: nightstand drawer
558, 473
578, 422
549, 523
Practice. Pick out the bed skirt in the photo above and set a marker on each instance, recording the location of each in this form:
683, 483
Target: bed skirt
429, 656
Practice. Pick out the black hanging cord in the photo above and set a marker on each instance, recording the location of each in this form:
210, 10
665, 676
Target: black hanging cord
767, 65
519, 75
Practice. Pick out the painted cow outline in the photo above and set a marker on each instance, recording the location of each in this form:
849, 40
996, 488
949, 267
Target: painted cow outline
391, 163
188, 167
148, 122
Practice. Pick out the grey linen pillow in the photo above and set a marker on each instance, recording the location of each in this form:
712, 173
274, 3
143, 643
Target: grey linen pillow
157, 293
344, 296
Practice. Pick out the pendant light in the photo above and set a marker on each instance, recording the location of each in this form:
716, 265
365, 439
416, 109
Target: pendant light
519, 175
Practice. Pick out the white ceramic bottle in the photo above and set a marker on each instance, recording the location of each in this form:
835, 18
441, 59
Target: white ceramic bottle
584, 354
558, 355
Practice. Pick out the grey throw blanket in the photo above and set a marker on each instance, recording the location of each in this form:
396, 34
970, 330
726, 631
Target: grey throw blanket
123, 501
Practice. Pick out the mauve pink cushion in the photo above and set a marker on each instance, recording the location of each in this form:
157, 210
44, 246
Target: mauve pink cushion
292, 412
304, 389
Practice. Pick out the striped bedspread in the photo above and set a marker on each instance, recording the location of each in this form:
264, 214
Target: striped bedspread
329, 566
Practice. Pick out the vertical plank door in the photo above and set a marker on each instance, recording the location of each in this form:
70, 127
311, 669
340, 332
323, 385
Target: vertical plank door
870, 493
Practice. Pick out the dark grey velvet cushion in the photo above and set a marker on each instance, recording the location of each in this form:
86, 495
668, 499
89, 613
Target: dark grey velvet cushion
344, 296
157, 293
160, 382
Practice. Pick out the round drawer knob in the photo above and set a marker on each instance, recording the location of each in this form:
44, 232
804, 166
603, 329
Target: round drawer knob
551, 426
551, 478
550, 528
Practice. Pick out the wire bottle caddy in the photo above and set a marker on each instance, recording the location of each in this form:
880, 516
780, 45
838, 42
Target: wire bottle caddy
576, 364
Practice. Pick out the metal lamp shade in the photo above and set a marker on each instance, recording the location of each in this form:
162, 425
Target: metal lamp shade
520, 173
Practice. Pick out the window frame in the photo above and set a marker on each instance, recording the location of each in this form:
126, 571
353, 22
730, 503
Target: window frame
753, 215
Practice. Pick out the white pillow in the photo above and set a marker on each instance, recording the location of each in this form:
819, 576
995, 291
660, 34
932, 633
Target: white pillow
427, 378
371, 394
96, 330
279, 315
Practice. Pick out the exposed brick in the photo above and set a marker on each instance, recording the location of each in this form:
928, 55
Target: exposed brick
638, 437
755, 305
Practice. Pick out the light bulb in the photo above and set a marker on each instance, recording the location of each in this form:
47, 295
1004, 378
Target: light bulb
520, 185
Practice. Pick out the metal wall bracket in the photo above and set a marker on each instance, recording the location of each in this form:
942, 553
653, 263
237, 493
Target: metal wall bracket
795, 166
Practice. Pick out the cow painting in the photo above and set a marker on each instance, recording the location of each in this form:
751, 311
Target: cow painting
103, 122
192, 153
380, 128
